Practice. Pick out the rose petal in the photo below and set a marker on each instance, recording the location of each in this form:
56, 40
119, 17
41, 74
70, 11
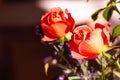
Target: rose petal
77, 55
98, 25
73, 46
92, 46
49, 29
86, 49
70, 20
90, 57
46, 38
85, 29
105, 31
74, 43
59, 28
105, 38
44, 18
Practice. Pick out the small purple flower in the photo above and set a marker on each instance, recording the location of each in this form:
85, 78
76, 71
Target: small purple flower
82, 76
68, 49
60, 46
95, 75
92, 69
47, 59
54, 61
39, 31
55, 52
62, 77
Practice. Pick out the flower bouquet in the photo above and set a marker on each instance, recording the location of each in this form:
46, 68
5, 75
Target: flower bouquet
82, 52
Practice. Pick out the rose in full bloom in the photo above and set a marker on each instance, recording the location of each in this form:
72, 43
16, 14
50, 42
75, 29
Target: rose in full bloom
56, 24
87, 43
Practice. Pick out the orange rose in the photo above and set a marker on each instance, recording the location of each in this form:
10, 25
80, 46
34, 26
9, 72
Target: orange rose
87, 43
56, 25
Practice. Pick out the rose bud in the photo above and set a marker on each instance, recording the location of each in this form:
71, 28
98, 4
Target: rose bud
56, 24
87, 43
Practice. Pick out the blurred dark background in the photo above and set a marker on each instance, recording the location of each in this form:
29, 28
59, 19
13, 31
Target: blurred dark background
21, 53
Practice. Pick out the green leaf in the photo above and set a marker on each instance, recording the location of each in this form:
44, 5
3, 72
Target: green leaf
118, 63
46, 68
95, 15
116, 32
108, 12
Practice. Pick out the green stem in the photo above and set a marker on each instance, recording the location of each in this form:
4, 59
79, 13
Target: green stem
61, 51
110, 65
102, 61
55, 48
117, 10
62, 41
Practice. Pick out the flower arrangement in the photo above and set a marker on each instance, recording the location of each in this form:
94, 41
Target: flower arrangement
82, 52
